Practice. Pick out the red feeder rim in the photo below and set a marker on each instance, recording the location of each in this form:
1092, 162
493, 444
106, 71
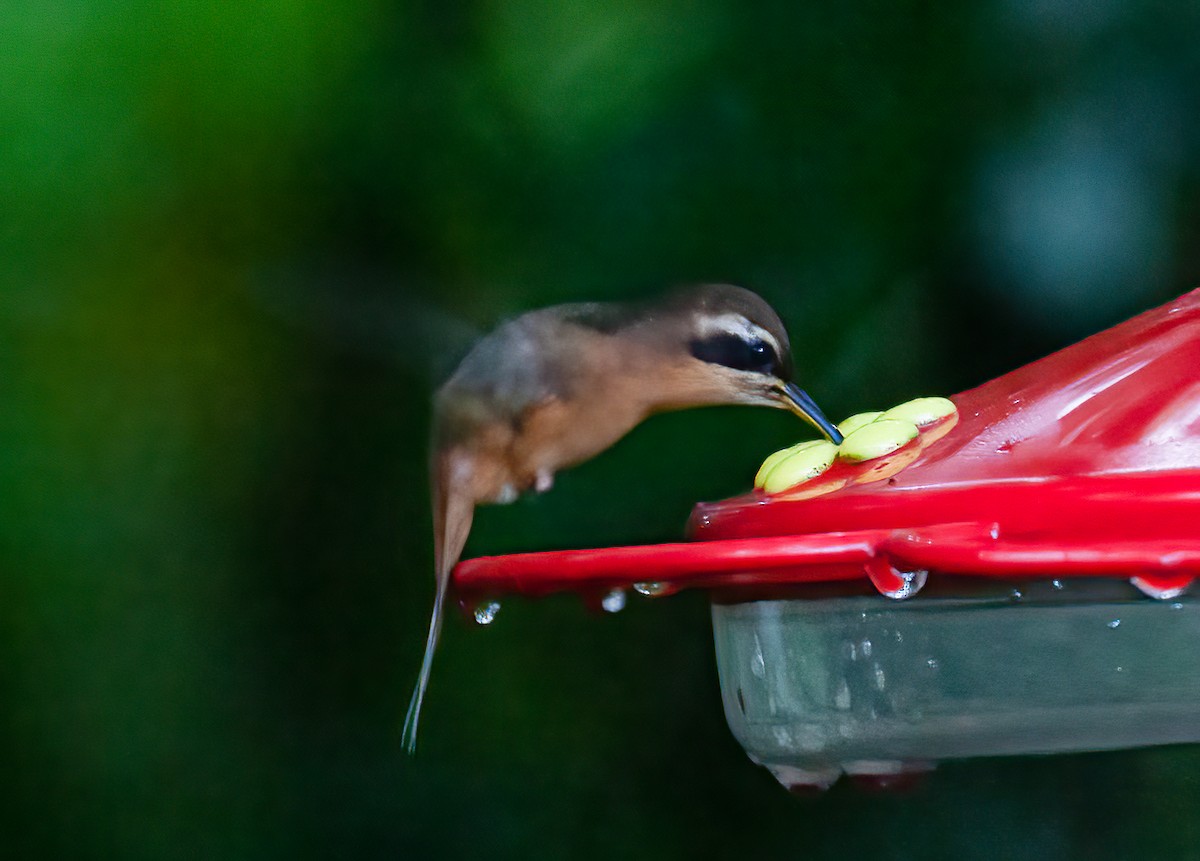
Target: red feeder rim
1083, 464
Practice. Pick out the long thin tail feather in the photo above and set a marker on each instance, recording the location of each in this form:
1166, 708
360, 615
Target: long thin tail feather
413, 716
453, 511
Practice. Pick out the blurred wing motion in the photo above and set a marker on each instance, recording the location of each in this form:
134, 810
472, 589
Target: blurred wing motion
367, 314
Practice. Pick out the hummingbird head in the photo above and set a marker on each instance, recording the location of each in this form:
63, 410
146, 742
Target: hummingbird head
737, 347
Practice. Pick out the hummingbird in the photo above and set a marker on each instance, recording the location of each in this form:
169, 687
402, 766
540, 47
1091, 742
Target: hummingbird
557, 386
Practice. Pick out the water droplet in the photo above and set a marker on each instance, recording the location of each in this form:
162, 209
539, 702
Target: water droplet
653, 589
613, 601
866, 648
1120, 669
1115, 623
485, 613
1163, 587
932, 663
892, 582
1057, 584
899, 637
1015, 595
1177, 606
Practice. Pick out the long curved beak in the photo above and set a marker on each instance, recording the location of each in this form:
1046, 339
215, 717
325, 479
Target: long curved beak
798, 401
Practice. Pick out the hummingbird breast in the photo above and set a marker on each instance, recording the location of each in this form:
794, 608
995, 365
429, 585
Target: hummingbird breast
541, 393
510, 455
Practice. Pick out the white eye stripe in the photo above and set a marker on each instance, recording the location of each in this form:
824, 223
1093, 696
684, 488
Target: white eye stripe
738, 326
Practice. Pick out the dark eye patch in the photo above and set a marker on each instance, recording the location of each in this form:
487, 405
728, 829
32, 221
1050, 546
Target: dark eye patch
737, 353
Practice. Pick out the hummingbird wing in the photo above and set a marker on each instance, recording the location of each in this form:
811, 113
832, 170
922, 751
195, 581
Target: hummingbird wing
368, 313
524, 363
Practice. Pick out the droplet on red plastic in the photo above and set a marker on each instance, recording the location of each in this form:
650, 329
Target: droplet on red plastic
892, 582
655, 589
1161, 586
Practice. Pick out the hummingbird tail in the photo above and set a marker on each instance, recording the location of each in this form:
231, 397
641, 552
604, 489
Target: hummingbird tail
453, 512
413, 716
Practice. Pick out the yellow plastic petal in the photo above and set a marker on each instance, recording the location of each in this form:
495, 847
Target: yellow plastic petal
774, 459
850, 425
880, 437
921, 411
801, 466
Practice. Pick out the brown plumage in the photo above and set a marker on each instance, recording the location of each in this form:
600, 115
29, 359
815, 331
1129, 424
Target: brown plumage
557, 386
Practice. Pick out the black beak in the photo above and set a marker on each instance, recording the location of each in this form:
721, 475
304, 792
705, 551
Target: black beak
802, 405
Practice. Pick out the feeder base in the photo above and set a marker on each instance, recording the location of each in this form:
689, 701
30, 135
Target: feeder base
817, 688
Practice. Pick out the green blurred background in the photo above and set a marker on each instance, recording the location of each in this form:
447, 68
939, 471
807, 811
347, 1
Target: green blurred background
239, 240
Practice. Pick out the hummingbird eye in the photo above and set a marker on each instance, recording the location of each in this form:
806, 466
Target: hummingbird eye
738, 353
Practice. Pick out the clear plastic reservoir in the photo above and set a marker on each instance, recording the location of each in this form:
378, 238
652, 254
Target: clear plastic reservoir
863, 685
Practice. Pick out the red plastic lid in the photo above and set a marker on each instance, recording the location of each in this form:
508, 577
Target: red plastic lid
1084, 463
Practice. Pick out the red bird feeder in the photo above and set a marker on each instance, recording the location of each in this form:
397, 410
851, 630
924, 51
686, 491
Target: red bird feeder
1016, 528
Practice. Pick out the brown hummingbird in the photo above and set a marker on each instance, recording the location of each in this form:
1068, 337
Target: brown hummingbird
557, 386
